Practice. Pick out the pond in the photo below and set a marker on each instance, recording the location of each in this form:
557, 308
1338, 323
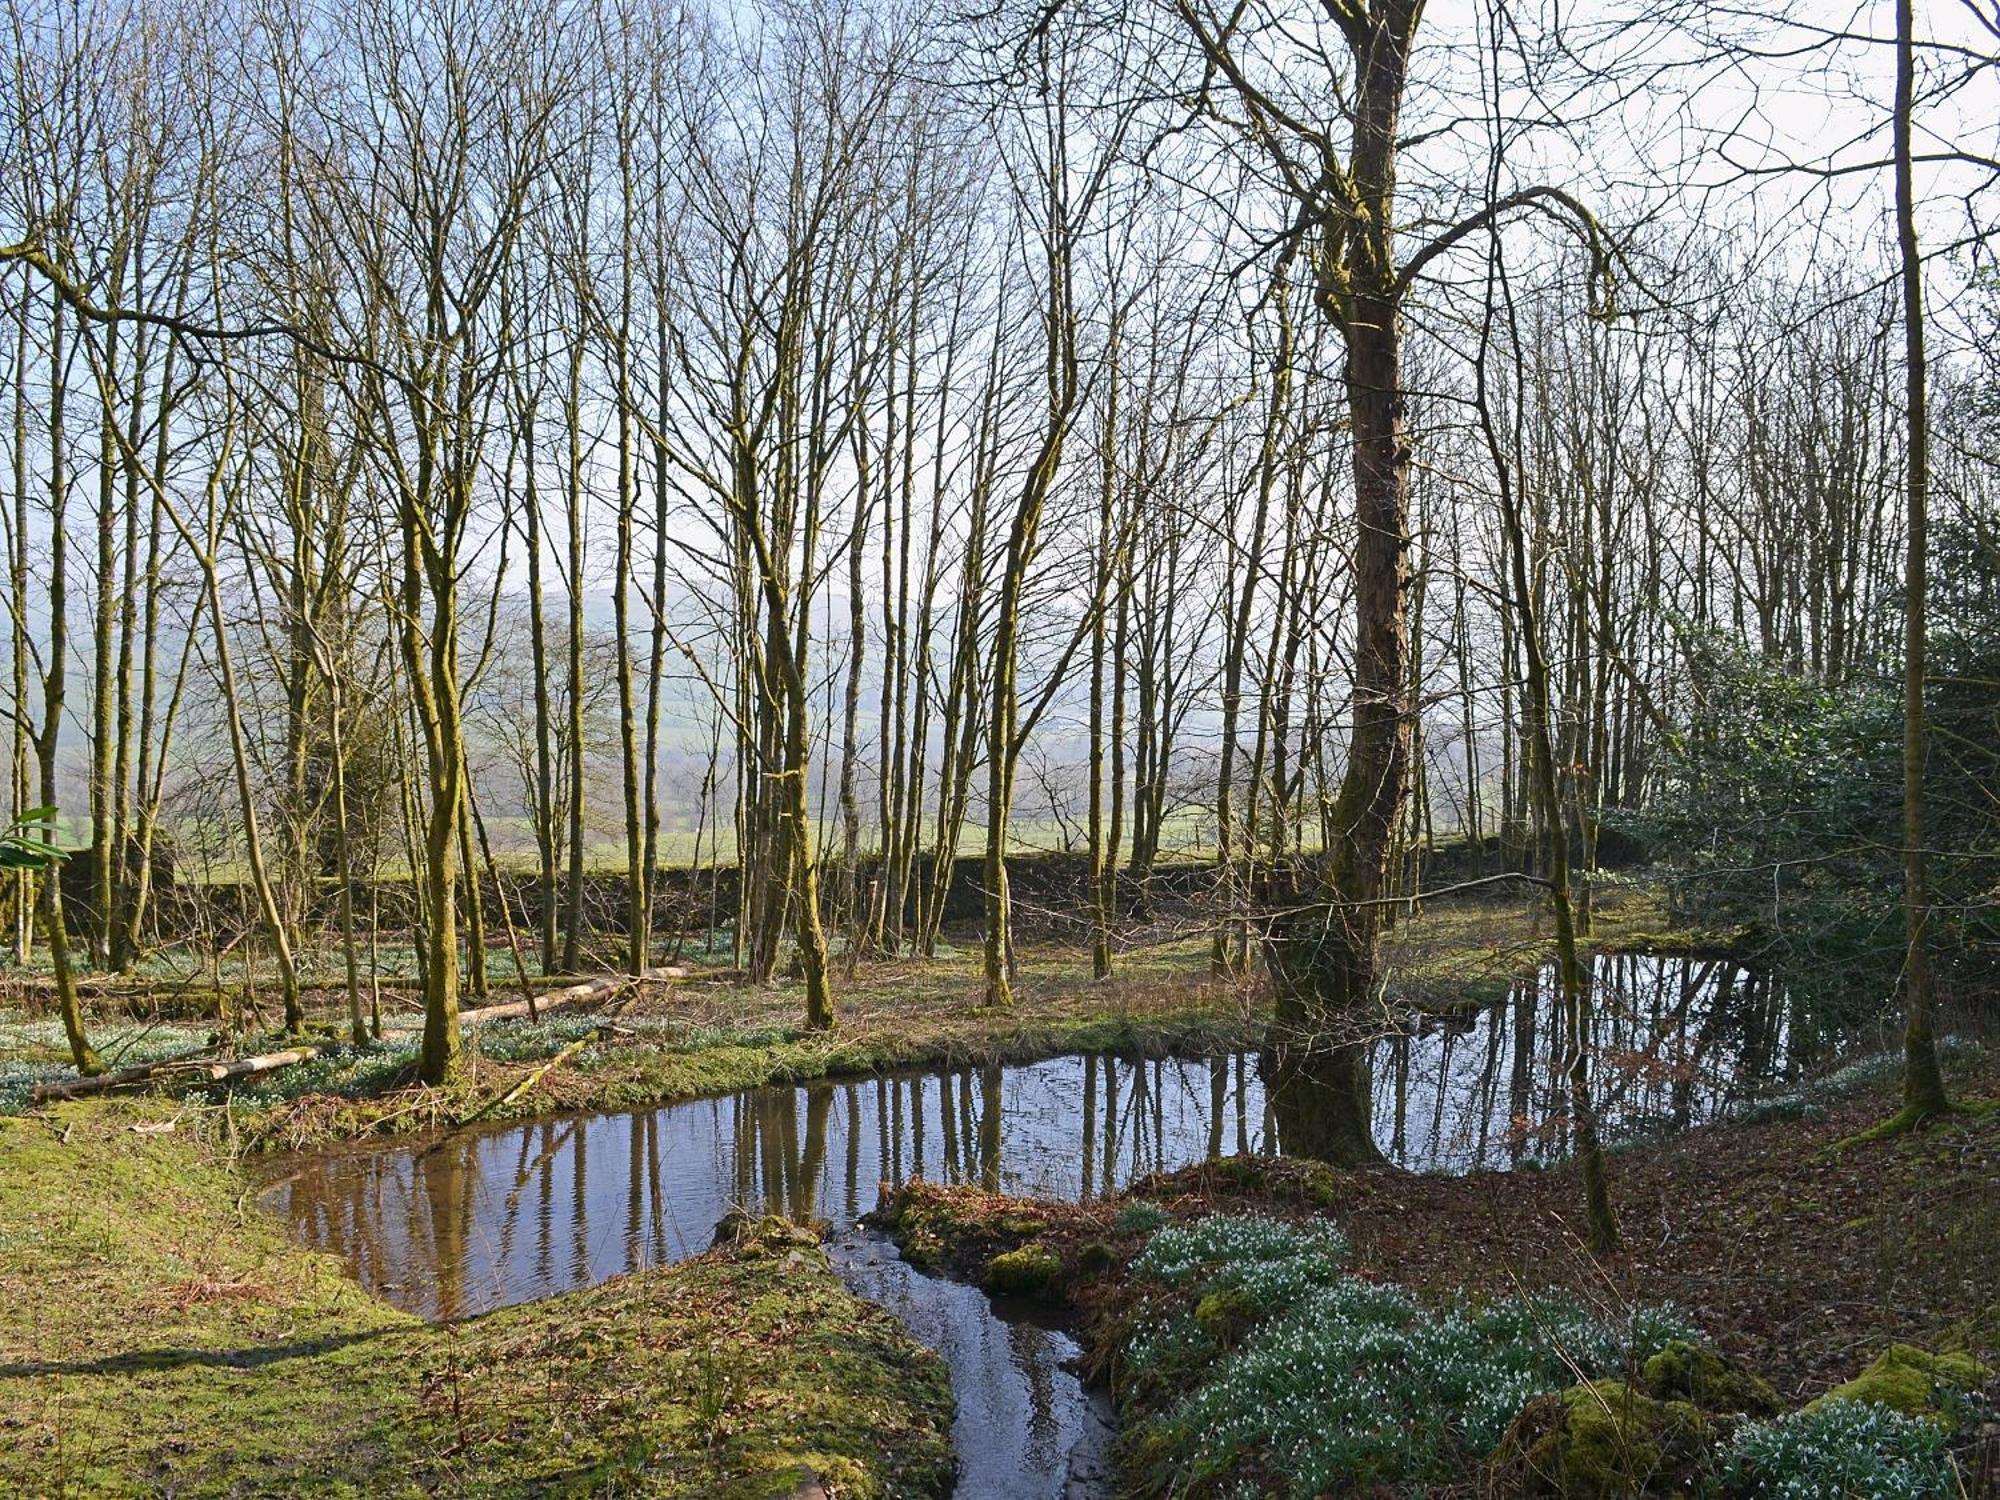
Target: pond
1675, 1042
481, 1218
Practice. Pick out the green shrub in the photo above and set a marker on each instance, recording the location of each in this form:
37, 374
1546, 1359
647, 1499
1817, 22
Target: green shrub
1840, 1448
1775, 813
1139, 1217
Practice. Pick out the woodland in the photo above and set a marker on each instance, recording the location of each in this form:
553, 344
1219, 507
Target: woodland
1068, 749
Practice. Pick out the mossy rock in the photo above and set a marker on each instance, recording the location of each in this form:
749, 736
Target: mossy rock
1913, 1381
1023, 1272
1282, 1179
1599, 1441
1226, 1315
1096, 1258
772, 1234
1697, 1374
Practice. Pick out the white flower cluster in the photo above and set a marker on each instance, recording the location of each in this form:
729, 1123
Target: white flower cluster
1173, 1255
342, 1070
1838, 1449
1341, 1382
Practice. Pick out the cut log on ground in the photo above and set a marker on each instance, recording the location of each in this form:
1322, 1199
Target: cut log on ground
188, 1069
596, 1033
268, 1062
600, 988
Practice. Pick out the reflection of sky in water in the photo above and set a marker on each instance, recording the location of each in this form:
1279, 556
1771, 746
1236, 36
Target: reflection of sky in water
491, 1217
1021, 1412
482, 1218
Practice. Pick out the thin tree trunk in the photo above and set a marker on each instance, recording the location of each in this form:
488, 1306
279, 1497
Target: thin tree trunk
1923, 1078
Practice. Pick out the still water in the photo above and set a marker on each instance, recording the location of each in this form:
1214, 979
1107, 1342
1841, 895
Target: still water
1674, 1043
482, 1218
486, 1217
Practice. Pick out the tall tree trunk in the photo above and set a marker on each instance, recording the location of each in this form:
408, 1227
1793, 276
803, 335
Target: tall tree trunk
1540, 738
548, 835
1325, 958
1923, 1078
80, 1050
1236, 649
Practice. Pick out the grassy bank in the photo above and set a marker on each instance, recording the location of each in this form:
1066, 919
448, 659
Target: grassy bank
162, 1336
1372, 1330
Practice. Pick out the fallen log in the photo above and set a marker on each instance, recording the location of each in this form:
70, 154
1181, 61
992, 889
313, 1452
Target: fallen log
522, 1088
190, 1068
197, 1065
602, 987
596, 1033
78, 1088
268, 1062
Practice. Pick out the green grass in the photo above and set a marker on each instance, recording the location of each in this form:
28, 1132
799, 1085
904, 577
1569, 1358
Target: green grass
161, 1336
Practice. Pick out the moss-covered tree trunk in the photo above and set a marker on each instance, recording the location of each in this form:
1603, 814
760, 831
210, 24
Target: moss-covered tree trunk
53, 694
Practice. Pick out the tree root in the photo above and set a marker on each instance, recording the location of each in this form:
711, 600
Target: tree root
1911, 1118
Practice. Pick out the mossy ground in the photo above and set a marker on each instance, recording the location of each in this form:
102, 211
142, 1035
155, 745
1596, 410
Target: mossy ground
1915, 1382
162, 1336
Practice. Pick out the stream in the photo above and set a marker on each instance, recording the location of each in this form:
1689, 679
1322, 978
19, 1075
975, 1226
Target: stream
490, 1216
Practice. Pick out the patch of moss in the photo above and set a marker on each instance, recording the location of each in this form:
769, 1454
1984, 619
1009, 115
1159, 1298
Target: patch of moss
1600, 1441
1096, 1258
927, 1227
1695, 1373
1025, 1272
1913, 1381
1225, 1314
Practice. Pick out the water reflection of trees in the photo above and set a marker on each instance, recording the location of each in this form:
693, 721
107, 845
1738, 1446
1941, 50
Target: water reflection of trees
475, 1219
1674, 1042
